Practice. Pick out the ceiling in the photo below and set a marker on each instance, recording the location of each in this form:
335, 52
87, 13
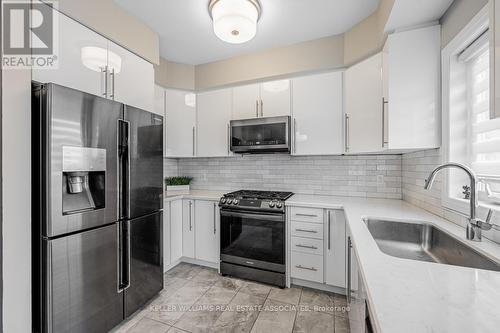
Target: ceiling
407, 13
186, 34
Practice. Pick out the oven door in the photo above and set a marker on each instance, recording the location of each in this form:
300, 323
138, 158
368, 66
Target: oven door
261, 135
253, 239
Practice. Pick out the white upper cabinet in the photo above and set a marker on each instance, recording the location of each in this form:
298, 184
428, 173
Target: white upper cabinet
77, 45
364, 106
131, 78
181, 123
160, 109
317, 114
412, 65
90, 63
214, 113
268, 99
207, 233
275, 98
246, 101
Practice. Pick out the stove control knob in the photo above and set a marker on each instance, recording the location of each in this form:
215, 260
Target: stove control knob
271, 204
229, 201
279, 204
223, 200
235, 201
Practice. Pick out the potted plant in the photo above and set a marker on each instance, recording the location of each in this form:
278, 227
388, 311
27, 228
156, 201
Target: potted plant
178, 184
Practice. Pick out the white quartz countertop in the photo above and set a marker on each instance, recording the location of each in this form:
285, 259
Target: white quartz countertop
413, 296
194, 194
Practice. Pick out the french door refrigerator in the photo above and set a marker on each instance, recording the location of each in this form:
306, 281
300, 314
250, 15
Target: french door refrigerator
97, 173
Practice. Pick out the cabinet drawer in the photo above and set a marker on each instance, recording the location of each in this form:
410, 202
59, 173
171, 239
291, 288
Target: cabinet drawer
301, 214
307, 245
307, 267
309, 230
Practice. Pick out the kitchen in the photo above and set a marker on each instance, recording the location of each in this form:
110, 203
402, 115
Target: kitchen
251, 166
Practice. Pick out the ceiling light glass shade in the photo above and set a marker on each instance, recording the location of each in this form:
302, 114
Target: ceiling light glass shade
97, 58
235, 21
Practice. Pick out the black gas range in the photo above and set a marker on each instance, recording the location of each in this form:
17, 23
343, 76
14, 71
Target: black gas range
253, 225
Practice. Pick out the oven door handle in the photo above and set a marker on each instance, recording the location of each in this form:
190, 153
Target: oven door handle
277, 218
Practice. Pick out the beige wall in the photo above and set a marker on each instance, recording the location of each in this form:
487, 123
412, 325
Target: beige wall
457, 16
170, 74
112, 21
367, 37
316, 55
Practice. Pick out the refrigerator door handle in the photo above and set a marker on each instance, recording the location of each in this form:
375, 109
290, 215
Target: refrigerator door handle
119, 258
123, 255
129, 250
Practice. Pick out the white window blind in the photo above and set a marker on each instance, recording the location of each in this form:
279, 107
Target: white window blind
484, 132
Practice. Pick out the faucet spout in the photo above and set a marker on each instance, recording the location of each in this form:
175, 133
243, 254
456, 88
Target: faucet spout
473, 231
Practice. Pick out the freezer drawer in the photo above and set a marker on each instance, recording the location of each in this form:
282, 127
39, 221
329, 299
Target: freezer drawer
146, 261
80, 282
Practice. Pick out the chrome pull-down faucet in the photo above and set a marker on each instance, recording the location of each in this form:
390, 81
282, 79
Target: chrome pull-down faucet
475, 226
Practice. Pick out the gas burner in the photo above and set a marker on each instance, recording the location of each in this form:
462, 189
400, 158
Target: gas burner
266, 201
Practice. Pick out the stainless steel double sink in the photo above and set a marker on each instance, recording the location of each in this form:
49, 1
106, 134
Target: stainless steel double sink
426, 242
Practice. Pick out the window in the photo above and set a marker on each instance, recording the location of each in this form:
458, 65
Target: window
470, 136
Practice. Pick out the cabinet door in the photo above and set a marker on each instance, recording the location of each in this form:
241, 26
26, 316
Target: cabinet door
207, 230
246, 100
413, 108
131, 79
81, 60
335, 248
176, 225
363, 106
188, 226
275, 98
181, 122
355, 299
317, 114
166, 235
159, 108
214, 114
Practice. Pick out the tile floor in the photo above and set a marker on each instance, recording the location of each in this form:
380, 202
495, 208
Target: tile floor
197, 299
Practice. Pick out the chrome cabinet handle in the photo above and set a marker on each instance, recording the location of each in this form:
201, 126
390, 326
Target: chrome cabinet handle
304, 230
307, 268
261, 108
193, 138
306, 246
112, 79
190, 219
306, 215
384, 102
295, 135
329, 230
228, 140
346, 132
257, 109
348, 291
104, 73
215, 218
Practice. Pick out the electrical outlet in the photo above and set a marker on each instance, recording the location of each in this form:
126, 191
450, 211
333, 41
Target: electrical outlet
380, 179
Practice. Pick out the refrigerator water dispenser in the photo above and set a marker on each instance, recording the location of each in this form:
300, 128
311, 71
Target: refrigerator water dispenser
84, 179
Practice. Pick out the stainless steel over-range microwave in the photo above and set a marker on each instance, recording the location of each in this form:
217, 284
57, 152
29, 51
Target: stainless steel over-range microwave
260, 135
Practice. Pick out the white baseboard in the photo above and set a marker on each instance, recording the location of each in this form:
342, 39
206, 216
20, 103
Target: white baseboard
191, 261
319, 286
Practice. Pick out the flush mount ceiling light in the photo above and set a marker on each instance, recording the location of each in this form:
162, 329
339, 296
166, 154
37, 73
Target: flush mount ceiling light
235, 21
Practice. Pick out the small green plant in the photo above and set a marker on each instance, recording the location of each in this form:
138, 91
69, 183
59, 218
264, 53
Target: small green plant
174, 181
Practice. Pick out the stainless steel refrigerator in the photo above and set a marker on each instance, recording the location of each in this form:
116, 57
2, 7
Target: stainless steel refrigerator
97, 173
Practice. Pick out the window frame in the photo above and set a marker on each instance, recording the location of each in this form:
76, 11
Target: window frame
475, 28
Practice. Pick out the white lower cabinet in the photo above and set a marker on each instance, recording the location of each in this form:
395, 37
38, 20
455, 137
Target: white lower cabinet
166, 235
335, 248
175, 230
191, 231
206, 214
188, 225
317, 245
